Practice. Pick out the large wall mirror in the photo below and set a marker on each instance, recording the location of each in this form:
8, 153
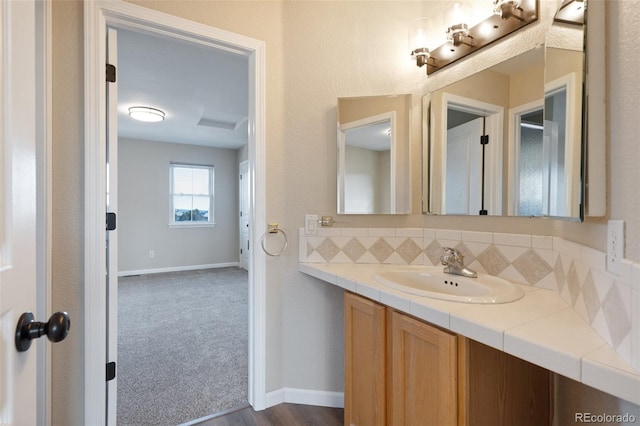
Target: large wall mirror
373, 155
508, 141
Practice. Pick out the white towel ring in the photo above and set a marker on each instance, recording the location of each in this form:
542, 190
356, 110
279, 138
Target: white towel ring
273, 229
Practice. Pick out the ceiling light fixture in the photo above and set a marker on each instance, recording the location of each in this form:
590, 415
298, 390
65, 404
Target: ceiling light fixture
147, 114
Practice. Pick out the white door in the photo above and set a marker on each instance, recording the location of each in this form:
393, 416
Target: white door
21, 376
464, 168
244, 215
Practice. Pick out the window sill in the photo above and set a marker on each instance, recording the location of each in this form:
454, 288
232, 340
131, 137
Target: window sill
192, 225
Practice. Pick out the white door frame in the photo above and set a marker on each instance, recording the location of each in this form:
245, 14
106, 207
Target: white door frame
493, 162
515, 114
98, 15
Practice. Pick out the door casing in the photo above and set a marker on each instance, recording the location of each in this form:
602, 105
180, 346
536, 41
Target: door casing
99, 15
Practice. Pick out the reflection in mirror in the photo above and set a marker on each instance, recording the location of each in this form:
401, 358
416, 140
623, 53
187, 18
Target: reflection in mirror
563, 112
373, 155
468, 121
528, 179
530, 109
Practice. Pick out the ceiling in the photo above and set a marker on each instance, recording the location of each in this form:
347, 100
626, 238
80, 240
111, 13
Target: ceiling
202, 90
374, 136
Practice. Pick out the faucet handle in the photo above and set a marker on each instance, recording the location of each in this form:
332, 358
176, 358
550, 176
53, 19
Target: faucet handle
451, 251
448, 253
454, 253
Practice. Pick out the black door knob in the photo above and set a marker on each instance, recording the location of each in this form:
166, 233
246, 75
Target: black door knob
28, 329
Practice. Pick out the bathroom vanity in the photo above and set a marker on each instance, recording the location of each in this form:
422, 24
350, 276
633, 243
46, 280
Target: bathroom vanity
488, 355
400, 370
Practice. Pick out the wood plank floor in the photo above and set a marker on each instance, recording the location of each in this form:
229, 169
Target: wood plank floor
280, 415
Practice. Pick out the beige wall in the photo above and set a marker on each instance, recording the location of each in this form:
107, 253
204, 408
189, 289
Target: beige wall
366, 176
67, 253
527, 86
316, 52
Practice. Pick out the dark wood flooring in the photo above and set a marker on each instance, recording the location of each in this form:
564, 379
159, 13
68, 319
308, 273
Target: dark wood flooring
280, 415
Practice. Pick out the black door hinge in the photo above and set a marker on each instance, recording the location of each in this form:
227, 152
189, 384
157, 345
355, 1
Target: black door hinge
484, 139
111, 73
111, 371
111, 221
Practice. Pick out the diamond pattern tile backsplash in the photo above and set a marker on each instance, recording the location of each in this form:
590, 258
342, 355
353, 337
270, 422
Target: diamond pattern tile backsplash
577, 273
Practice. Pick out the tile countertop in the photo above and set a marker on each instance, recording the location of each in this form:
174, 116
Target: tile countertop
540, 327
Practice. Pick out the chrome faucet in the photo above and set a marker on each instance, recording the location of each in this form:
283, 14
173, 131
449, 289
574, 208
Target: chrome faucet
453, 262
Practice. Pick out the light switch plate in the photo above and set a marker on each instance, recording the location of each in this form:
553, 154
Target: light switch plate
615, 246
311, 224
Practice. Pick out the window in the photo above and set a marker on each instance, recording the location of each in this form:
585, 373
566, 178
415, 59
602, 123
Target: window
191, 195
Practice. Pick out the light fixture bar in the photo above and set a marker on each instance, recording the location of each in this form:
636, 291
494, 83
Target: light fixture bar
486, 32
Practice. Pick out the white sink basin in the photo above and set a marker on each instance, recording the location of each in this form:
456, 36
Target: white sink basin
432, 282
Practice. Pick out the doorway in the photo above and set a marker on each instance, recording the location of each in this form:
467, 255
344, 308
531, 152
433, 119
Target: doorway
97, 320
471, 164
181, 264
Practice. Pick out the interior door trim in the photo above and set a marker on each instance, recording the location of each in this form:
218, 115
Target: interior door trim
98, 15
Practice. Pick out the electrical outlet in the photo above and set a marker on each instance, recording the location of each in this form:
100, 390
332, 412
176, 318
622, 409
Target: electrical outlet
152, 254
615, 246
311, 224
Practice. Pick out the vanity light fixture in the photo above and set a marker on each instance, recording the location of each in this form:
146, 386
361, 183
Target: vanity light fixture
147, 114
506, 17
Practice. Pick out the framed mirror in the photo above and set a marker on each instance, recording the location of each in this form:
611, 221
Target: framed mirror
508, 141
373, 155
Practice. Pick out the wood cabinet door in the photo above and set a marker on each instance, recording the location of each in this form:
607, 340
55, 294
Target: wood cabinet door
365, 360
422, 374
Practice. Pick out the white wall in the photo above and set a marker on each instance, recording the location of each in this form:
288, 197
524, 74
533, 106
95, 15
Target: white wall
317, 51
143, 216
367, 180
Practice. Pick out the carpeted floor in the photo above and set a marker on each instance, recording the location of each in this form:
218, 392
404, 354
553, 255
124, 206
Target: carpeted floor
182, 345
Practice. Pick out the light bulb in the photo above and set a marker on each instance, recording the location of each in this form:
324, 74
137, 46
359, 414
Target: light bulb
420, 36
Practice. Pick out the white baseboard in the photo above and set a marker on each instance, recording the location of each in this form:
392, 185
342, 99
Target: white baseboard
177, 269
304, 396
